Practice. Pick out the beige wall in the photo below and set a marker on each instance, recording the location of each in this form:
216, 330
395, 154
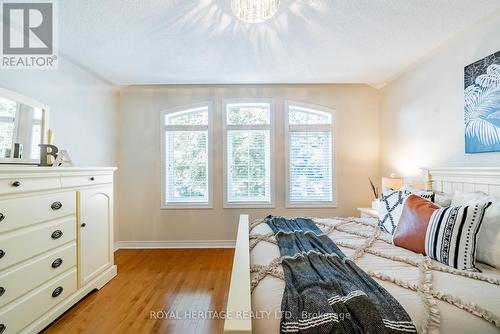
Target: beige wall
422, 110
140, 217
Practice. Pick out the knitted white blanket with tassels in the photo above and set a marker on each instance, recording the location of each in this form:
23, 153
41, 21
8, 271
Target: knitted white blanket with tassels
438, 298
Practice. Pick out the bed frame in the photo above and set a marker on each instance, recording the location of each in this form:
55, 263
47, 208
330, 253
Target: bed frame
447, 180
441, 179
239, 304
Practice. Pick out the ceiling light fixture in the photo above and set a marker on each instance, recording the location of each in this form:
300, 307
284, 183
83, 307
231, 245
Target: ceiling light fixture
254, 11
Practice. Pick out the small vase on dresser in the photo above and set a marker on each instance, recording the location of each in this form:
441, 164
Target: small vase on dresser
56, 241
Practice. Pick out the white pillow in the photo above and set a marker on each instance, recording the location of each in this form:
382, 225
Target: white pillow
443, 199
488, 238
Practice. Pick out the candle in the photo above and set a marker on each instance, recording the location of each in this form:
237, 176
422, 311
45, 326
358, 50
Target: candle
50, 137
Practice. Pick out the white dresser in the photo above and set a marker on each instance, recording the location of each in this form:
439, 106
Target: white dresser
56, 237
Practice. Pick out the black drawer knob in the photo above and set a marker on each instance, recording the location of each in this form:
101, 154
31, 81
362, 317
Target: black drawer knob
57, 234
57, 291
83, 225
2, 217
2, 253
92, 178
16, 184
2, 291
56, 205
57, 262
2, 328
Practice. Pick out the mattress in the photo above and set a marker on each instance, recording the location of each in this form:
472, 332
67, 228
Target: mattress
438, 298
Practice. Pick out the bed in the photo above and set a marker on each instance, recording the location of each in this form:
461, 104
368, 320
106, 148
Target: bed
439, 299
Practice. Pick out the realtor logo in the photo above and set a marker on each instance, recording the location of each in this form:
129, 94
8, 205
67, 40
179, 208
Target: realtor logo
28, 35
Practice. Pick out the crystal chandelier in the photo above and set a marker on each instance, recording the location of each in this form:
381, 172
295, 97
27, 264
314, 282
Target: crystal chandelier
254, 11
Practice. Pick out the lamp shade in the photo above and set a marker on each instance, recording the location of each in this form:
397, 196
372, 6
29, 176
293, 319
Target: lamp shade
391, 183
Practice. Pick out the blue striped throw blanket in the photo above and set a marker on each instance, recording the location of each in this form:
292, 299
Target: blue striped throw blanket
326, 292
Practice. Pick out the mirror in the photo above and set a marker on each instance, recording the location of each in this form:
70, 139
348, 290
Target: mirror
23, 125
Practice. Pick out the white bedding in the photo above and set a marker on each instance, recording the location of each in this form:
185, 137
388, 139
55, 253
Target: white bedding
267, 294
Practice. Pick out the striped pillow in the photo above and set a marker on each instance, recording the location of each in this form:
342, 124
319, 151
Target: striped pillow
452, 233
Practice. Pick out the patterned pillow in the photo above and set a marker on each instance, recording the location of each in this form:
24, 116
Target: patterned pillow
391, 206
452, 233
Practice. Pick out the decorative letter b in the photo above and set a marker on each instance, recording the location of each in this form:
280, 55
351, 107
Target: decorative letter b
45, 152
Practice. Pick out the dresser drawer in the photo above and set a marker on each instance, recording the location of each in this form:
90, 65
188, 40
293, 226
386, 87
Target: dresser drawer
28, 308
23, 244
20, 212
86, 180
19, 280
24, 184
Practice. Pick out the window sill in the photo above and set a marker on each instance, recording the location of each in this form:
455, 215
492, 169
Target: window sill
185, 207
311, 205
249, 206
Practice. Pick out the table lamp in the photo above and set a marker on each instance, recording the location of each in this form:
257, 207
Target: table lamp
392, 182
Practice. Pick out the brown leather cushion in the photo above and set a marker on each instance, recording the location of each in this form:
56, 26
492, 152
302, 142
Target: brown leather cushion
410, 232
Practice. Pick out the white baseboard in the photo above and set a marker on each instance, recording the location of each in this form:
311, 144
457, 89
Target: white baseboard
175, 244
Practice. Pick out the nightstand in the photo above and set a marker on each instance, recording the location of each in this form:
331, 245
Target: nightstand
368, 213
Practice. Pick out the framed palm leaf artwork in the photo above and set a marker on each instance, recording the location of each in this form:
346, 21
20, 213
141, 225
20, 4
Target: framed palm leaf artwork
482, 105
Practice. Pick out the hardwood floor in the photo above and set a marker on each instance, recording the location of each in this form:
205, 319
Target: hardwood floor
180, 282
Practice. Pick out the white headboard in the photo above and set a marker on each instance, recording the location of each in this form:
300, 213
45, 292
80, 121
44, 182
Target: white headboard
449, 179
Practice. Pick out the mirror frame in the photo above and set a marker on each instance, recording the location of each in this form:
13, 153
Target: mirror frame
19, 98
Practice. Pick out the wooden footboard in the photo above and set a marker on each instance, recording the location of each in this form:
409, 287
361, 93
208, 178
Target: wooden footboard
239, 306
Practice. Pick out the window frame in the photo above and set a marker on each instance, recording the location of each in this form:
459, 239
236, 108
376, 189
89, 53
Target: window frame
309, 127
34, 122
164, 205
271, 127
15, 120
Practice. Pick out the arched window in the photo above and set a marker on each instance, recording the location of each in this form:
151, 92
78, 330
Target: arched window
310, 148
248, 151
186, 156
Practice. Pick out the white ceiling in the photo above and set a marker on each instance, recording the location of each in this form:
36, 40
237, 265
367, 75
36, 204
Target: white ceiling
308, 41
